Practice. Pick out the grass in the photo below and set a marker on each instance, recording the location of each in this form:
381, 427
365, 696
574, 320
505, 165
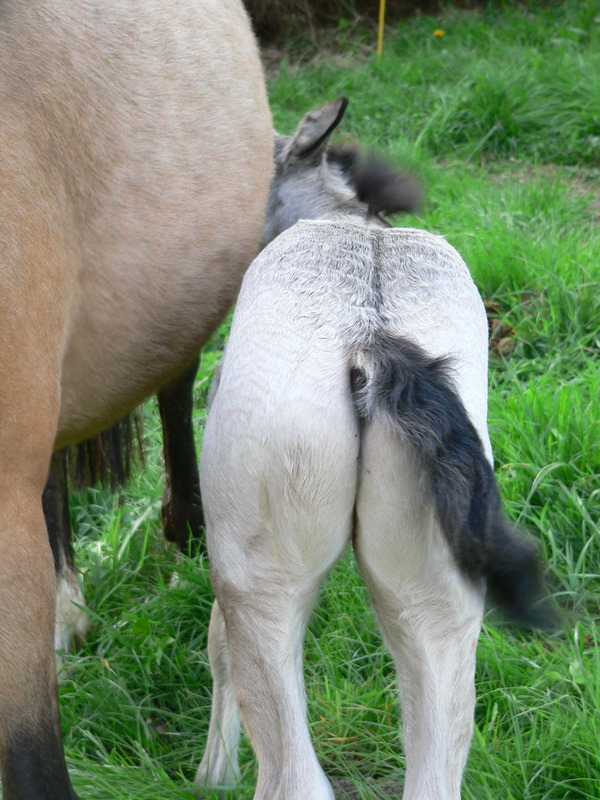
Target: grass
500, 119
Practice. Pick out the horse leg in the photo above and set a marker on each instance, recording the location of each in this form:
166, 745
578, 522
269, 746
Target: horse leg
182, 515
71, 621
279, 515
181, 512
265, 624
429, 614
33, 314
31, 754
219, 765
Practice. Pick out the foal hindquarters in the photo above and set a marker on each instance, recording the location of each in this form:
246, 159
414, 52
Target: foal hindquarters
281, 503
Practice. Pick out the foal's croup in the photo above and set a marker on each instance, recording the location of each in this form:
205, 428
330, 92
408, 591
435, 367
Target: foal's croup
351, 407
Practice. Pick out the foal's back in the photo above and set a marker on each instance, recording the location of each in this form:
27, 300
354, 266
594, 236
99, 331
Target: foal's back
325, 290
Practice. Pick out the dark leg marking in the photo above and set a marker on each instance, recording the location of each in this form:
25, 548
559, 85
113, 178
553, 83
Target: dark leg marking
33, 765
182, 514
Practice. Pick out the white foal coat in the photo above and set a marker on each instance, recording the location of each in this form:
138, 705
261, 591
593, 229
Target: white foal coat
290, 476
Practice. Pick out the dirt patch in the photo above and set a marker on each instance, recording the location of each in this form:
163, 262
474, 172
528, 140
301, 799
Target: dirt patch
501, 334
502, 341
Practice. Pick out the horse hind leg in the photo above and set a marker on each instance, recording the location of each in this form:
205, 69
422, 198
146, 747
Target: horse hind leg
182, 516
429, 614
72, 623
181, 512
273, 531
265, 628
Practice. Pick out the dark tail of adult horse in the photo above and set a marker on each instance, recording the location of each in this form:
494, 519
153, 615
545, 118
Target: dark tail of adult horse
107, 458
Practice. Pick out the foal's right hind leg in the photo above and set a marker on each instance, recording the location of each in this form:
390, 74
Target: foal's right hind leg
429, 614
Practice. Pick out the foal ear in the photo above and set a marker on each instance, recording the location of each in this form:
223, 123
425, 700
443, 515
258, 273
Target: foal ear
316, 127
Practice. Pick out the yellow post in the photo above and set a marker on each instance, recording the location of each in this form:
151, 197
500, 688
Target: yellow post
381, 22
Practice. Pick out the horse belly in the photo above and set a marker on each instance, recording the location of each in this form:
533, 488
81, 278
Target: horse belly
153, 125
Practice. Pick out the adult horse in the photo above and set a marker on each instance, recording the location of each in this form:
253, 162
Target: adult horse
135, 160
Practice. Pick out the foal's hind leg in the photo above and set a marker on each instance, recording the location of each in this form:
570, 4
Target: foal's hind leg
266, 615
219, 765
273, 530
429, 614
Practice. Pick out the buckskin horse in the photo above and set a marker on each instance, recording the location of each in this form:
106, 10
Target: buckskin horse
135, 161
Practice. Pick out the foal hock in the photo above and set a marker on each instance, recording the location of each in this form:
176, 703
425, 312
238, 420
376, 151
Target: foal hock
351, 407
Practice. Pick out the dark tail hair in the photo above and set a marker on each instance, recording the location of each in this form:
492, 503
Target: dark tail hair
385, 189
108, 457
417, 396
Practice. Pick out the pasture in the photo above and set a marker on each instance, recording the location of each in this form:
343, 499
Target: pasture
499, 116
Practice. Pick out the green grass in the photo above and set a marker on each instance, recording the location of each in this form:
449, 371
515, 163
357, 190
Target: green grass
498, 82
500, 118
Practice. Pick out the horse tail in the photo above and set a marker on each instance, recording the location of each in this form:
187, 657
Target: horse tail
109, 457
395, 378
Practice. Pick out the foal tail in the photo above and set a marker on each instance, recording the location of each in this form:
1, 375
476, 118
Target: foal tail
415, 393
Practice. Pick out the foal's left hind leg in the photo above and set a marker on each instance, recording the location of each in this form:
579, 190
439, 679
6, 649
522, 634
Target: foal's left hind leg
265, 625
279, 485
266, 577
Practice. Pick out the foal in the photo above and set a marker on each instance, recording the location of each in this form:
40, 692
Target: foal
351, 407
